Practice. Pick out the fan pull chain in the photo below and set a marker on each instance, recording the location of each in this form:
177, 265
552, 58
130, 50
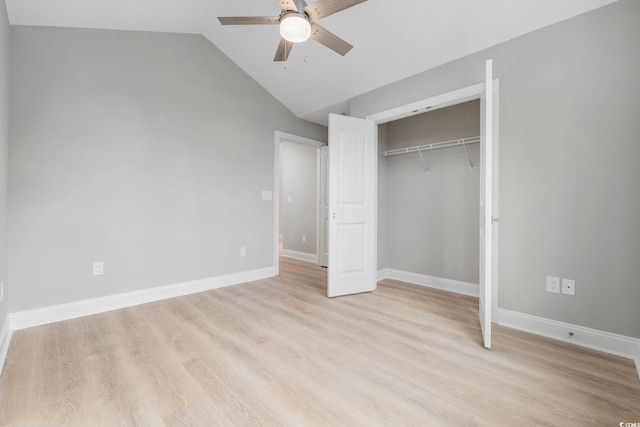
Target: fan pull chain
285, 55
286, 63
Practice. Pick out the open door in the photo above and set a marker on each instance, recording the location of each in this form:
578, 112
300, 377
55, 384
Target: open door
486, 205
353, 177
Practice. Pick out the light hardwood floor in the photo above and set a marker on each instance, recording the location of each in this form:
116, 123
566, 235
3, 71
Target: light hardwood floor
278, 352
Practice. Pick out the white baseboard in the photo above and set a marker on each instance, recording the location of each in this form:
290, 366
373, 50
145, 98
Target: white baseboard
302, 256
5, 340
607, 342
56, 313
450, 285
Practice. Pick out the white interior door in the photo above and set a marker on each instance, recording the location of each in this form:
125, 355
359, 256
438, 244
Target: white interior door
353, 180
323, 209
486, 205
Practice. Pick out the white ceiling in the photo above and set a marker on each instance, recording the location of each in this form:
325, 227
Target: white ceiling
392, 39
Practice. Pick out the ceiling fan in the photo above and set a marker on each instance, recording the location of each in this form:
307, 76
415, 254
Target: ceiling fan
297, 22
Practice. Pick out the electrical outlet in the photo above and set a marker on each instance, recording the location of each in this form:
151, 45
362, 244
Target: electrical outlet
553, 284
568, 286
243, 251
304, 238
98, 268
1, 291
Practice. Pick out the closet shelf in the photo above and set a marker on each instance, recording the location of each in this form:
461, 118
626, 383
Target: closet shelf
435, 145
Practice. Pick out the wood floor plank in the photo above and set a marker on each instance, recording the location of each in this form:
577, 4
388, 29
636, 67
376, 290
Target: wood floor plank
278, 352
176, 333
202, 412
18, 378
159, 374
115, 393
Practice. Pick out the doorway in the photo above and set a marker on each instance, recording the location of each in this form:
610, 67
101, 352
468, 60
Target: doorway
297, 198
429, 191
488, 94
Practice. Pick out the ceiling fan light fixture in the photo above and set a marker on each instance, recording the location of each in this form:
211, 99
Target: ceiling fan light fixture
295, 27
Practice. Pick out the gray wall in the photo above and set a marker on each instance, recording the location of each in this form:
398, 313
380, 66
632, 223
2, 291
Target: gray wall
4, 146
569, 150
298, 181
432, 217
147, 151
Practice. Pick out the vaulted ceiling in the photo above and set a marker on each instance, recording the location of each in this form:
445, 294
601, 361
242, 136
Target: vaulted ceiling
392, 39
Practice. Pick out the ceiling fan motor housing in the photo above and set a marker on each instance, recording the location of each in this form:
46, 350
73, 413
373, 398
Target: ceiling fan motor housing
295, 26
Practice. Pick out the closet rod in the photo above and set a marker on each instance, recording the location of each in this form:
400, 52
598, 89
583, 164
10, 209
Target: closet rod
435, 145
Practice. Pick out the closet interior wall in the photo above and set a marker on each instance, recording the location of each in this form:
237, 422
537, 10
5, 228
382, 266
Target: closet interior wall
428, 219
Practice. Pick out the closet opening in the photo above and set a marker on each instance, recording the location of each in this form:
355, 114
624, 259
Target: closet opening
428, 198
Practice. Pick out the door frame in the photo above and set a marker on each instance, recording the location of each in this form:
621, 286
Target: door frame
278, 138
448, 99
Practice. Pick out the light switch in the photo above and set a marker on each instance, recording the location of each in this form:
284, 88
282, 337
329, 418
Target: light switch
98, 268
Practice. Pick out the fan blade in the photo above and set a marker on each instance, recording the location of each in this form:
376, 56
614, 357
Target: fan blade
287, 5
330, 40
248, 20
284, 49
324, 8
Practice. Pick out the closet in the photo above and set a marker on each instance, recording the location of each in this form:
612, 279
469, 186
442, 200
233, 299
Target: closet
429, 184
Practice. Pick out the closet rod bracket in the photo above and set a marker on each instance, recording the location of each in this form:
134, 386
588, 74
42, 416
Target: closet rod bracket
424, 162
464, 145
